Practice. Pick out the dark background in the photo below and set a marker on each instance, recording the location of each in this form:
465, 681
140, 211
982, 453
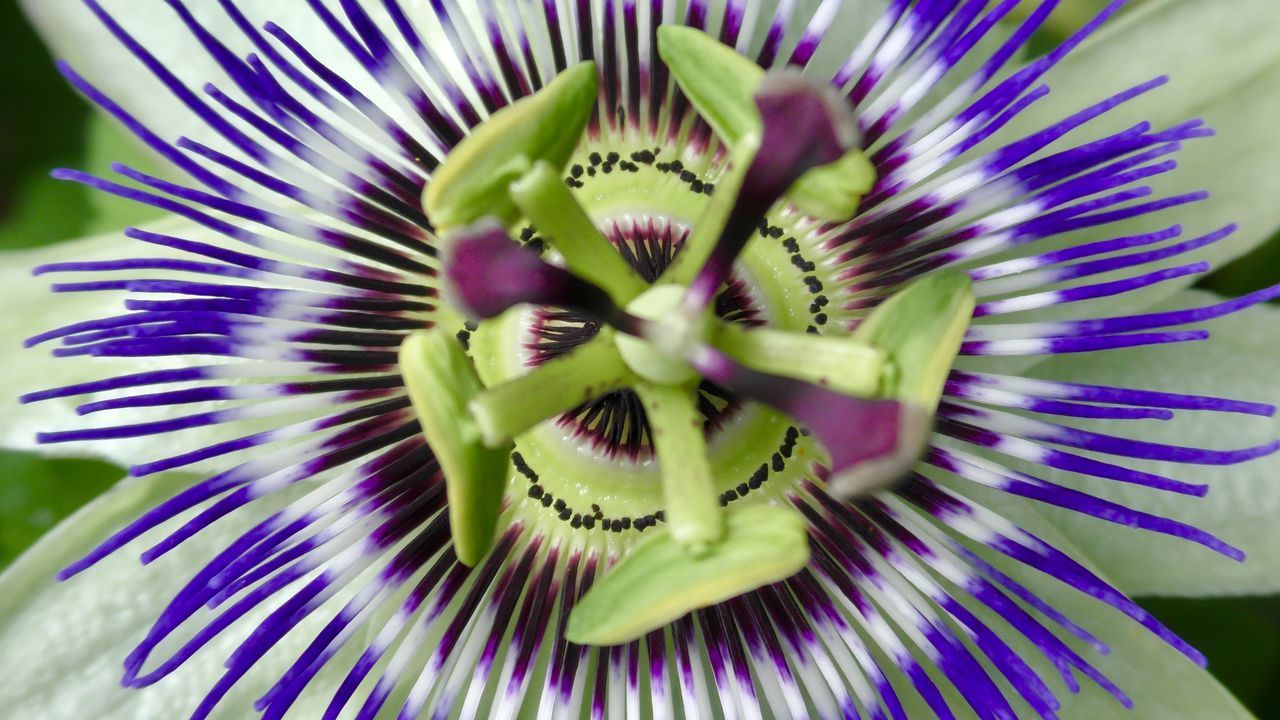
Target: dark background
44, 125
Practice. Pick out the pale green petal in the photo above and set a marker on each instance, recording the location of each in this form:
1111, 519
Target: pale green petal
62, 644
32, 309
1224, 65
1163, 684
1243, 505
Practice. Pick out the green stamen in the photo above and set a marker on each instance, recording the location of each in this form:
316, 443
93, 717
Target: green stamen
517, 406
549, 204
833, 192
920, 330
660, 581
840, 363
441, 382
475, 181
688, 488
512, 168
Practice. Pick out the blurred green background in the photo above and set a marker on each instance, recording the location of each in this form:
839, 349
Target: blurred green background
44, 125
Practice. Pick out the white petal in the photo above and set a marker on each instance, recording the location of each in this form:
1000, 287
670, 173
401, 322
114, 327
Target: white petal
62, 644
1244, 501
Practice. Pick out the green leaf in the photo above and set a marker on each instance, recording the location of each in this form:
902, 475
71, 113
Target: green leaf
110, 143
1243, 503
62, 644
660, 580
441, 382
45, 211
43, 128
42, 211
1240, 636
75, 35
36, 494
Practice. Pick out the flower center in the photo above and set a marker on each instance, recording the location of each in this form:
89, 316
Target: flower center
640, 333
660, 357
609, 438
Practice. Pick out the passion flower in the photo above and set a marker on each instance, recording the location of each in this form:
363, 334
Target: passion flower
633, 358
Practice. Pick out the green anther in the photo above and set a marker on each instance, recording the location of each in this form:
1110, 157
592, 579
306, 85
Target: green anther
719, 82
659, 581
721, 85
920, 329
660, 359
688, 486
475, 179
513, 408
833, 192
441, 382
843, 364
548, 203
